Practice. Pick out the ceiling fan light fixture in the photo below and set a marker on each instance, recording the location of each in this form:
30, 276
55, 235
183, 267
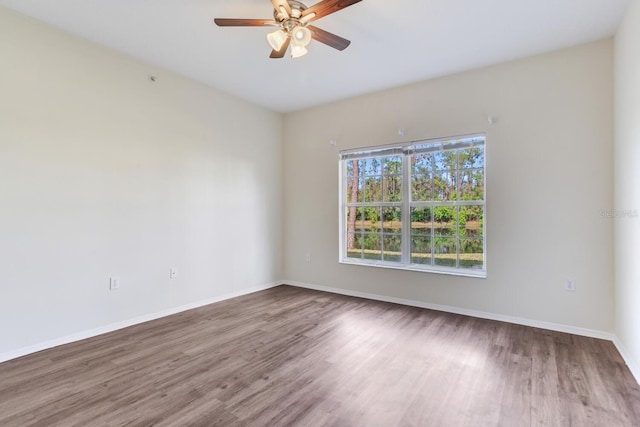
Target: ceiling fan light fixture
301, 36
298, 50
277, 39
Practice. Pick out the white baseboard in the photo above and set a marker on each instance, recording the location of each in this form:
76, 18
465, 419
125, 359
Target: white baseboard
466, 312
13, 354
634, 367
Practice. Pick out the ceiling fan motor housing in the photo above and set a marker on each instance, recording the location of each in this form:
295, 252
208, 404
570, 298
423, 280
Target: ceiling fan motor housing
292, 20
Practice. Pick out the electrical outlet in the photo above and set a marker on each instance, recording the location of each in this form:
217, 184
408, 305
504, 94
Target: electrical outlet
308, 257
114, 283
570, 285
173, 273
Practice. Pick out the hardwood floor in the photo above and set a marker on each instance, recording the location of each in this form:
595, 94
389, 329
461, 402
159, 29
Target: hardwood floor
296, 357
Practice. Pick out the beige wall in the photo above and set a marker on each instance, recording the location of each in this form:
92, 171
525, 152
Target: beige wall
627, 185
549, 175
104, 173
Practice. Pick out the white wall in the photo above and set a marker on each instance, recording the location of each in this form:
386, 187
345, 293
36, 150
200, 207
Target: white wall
627, 185
104, 173
549, 175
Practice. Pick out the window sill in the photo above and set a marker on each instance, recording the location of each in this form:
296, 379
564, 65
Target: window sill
478, 274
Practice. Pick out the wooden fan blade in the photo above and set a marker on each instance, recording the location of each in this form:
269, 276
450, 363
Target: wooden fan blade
327, 7
280, 53
328, 38
283, 3
224, 22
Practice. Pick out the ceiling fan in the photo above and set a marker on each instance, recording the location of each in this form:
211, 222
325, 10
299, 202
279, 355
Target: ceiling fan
293, 18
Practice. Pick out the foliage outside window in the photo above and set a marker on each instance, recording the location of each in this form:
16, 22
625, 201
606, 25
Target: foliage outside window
417, 206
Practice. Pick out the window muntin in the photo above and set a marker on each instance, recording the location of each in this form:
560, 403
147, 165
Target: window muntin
418, 206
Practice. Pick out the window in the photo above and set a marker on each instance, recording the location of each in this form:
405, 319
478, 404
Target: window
415, 206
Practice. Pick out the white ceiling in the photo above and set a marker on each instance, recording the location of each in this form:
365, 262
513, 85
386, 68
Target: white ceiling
393, 42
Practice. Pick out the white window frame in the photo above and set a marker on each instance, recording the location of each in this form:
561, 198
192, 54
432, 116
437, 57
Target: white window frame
406, 150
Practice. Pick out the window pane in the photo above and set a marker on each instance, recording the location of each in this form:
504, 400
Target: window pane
444, 185
372, 221
352, 189
421, 250
472, 184
392, 247
372, 246
354, 219
422, 164
445, 220
421, 221
392, 165
372, 166
471, 221
373, 189
445, 251
354, 245
445, 160
421, 187
471, 253
360, 190
392, 191
355, 181
472, 158
392, 220
350, 166
392, 170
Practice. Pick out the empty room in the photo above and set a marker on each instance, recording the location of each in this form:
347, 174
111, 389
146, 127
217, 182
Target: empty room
324, 213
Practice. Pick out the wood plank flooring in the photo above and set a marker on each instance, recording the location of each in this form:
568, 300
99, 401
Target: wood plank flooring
296, 357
